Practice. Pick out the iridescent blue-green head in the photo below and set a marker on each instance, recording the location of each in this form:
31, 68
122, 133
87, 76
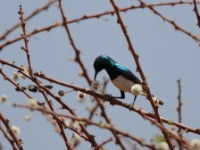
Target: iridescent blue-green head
102, 62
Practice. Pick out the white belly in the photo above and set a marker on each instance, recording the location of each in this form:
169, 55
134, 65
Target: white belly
123, 84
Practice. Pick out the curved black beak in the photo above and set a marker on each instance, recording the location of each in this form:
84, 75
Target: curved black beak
95, 75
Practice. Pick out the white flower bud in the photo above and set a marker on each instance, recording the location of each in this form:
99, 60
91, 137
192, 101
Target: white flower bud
81, 96
195, 144
136, 89
32, 103
162, 146
16, 130
15, 76
3, 98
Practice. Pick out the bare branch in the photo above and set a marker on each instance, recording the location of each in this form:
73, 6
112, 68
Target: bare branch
179, 110
196, 13
25, 38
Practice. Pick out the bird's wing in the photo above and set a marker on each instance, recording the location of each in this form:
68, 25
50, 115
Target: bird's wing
127, 73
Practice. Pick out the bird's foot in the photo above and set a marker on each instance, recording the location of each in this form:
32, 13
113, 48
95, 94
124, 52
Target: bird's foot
130, 106
110, 99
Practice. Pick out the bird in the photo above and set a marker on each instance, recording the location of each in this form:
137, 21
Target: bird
121, 77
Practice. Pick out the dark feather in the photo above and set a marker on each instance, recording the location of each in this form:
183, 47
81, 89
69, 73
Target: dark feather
127, 73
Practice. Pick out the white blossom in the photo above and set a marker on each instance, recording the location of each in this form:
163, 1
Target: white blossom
26, 73
195, 144
16, 130
27, 118
96, 86
81, 96
15, 76
3, 98
162, 146
32, 103
76, 137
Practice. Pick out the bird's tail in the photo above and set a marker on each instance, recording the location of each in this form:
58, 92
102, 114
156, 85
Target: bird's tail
156, 100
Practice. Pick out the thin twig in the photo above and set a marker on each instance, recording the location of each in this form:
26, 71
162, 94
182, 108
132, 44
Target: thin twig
197, 13
179, 101
24, 36
179, 110
103, 143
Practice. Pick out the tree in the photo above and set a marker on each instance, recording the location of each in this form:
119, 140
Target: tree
39, 77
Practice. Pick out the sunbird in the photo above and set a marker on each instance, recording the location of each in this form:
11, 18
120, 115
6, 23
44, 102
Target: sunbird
121, 77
